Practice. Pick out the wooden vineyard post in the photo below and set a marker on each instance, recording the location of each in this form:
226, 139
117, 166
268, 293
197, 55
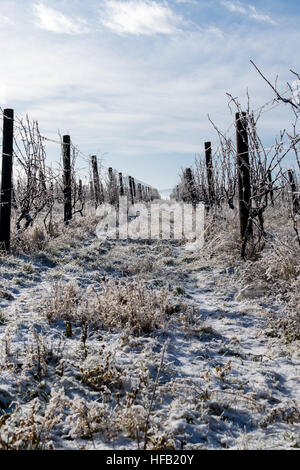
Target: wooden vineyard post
96, 181
110, 175
81, 197
139, 191
67, 178
191, 187
209, 172
6, 178
131, 189
121, 186
294, 191
244, 184
80, 192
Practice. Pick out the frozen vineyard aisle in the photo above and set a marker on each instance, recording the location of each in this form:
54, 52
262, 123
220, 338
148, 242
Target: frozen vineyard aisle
124, 344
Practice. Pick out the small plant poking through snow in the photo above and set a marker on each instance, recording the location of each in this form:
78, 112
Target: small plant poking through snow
116, 305
130, 305
63, 301
29, 427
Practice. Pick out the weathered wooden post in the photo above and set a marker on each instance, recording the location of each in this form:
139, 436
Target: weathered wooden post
133, 187
96, 181
191, 195
131, 190
244, 184
209, 172
294, 191
111, 195
67, 178
80, 192
121, 186
139, 191
6, 178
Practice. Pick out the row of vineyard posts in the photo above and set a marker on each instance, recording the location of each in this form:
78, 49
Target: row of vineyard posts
188, 191
117, 184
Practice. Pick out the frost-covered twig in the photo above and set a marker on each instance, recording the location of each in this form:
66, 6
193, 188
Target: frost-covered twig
153, 393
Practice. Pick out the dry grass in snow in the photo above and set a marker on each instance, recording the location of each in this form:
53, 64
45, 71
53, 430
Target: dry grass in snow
84, 324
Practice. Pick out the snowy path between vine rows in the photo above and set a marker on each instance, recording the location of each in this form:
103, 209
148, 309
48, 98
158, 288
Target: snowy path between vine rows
225, 382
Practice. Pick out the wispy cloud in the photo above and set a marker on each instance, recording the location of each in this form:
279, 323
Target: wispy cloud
234, 7
259, 16
139, 17
249, 10
215, 31
187, 2
56, 22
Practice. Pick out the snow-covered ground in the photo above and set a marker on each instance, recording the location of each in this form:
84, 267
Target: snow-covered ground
223, 380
